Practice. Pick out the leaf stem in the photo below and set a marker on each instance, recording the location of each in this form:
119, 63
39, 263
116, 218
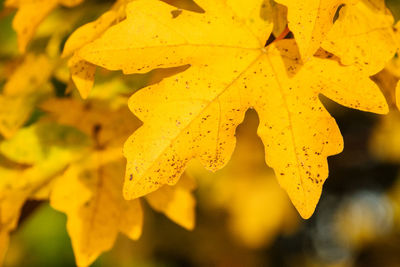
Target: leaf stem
285, 32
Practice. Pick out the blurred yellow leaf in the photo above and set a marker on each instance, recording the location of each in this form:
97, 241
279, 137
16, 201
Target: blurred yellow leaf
176, 202
48, 150
23, 90
259, 209
30, 14
43, 141
30, 74
387, 83
108, 127
390, 80
90, 191
393, 66
230, 72
385, 141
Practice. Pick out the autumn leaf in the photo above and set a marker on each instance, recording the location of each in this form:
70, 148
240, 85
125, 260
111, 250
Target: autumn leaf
358, 26
90, 191
88, 32
194, 114
43, 151
91, 197
310, 22
26, 87
82, 72
30, 14
176, 202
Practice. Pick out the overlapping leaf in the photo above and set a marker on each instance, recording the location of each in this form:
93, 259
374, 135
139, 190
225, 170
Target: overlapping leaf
360, 25
82, 72
194, 114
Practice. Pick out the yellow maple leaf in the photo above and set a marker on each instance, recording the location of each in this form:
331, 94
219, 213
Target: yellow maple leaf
259, 210
359, 26
23, 90
194, 114
82, 72
89, 192
30, 14
89, 117
91, 197
56, 147
310, 21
